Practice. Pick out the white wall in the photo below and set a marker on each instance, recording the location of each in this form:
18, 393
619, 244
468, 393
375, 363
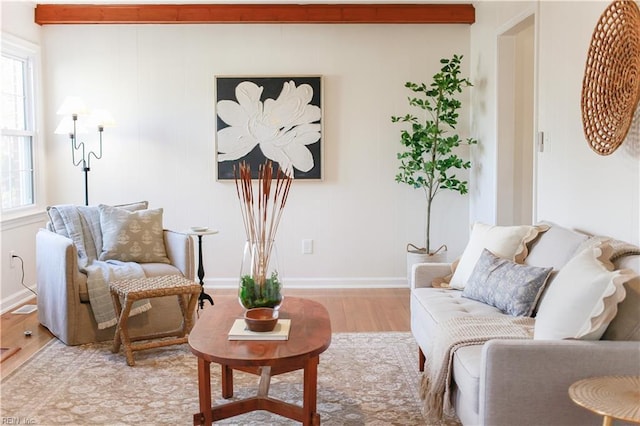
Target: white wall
158, 82
575, 186
17, 232
18, 20
598, 194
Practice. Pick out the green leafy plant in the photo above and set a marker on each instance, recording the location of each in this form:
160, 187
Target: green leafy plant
428, 160
266, 295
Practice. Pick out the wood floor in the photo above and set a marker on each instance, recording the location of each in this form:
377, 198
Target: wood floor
351, 310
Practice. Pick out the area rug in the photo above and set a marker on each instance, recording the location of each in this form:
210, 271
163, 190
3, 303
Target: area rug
363, 379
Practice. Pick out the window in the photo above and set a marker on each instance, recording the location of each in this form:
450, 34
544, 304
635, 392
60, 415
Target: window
17, 107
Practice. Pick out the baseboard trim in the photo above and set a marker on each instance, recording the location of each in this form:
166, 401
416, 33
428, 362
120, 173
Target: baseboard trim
15, 300
315, 283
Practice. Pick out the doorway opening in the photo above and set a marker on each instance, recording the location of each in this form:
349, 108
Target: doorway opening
516, 124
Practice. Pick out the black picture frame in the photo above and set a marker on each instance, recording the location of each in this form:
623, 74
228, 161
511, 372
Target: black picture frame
271, 86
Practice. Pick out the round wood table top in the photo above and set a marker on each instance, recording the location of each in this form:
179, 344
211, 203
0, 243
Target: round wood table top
309, 336
613, 396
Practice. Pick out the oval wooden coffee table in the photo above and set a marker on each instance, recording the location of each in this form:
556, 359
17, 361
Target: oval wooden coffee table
310, 335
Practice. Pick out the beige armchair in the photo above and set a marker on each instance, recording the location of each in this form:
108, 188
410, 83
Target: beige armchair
63, 300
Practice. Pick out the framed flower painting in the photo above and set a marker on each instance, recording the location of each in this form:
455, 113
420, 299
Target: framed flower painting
275, 118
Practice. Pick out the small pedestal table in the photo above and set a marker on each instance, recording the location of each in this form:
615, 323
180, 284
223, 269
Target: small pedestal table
200, 232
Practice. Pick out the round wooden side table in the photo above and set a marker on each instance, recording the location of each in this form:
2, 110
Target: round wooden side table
614, 397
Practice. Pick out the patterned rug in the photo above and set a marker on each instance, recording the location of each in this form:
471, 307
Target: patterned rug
363, 379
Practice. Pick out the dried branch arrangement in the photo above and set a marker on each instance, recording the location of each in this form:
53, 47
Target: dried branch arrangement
261, 213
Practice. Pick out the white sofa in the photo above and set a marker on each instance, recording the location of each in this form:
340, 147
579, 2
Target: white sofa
525, 382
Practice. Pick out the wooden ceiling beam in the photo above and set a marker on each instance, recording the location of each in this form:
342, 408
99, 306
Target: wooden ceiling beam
52, 14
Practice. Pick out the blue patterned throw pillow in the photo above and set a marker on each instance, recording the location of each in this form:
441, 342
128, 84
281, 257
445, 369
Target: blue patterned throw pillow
511, 287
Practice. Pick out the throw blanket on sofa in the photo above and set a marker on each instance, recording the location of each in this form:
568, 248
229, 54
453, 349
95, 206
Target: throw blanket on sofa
455, 333
82, 226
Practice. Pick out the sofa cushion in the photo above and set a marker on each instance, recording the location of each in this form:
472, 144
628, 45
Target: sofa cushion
582, 300
56, 223
437, 305
509, 242
619, 248
132, 236
555, 247
159, 269
466, 374
429, 307
511, 287
626, 324
135, 206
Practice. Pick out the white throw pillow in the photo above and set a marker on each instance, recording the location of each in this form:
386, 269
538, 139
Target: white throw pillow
507, 242
583, 299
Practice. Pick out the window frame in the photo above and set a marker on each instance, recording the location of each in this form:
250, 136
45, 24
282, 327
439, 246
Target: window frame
23, 49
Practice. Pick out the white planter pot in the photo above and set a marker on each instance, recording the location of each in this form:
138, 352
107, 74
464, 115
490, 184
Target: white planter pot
415, 256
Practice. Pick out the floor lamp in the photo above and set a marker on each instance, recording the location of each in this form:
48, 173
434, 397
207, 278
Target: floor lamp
72, 108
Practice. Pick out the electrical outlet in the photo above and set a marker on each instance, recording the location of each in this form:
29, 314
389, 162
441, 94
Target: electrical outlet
307, 246
11, 257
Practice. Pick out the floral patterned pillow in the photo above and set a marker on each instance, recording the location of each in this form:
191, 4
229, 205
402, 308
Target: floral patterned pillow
136, 236
511, 287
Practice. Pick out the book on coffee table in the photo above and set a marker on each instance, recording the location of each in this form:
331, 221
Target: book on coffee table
239, 331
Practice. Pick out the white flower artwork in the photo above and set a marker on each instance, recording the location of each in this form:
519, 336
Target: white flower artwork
276, 118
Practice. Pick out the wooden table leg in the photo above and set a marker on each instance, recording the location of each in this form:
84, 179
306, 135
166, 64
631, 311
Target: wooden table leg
310, 392
265, 380
204, 394
118, 308
227, 382
191, 308
421, 360
123, 325
607, 421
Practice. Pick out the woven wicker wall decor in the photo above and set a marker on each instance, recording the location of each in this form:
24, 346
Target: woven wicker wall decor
611, 84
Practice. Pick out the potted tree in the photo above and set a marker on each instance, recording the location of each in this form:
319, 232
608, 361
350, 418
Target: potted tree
428, 160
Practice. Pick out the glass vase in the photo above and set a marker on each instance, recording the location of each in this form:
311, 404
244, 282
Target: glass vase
260, 285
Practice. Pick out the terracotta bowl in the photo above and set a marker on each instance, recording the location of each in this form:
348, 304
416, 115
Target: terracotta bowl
261, 319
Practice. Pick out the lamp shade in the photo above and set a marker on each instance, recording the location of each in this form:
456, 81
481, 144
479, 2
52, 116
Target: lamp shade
102, 117
65, 127
72, 105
